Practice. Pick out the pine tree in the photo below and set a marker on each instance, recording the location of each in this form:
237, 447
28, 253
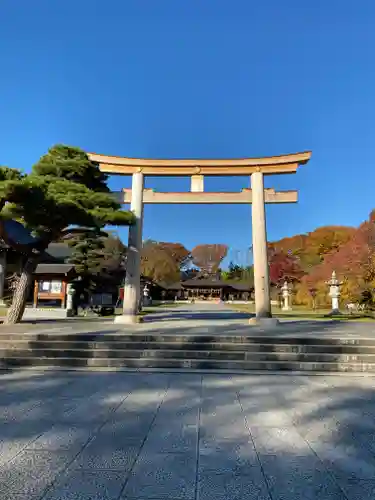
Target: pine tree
99, 259
64, 190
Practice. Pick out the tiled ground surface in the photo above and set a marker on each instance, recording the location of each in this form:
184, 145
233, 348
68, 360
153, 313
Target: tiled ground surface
181, 437
196, 319
220, 319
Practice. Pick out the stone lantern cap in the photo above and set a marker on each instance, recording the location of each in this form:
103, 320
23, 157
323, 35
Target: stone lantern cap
334, 285
285, 288
334, 281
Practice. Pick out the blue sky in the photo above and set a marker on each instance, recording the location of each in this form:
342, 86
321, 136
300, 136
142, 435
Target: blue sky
200, 78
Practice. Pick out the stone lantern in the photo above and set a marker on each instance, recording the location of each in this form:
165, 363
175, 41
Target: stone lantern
70, 299
146, 296
334, 292
286, 293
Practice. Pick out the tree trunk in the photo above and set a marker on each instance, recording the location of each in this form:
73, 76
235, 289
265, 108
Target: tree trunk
16, 310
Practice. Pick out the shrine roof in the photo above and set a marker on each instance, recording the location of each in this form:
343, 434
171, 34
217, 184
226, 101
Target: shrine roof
211, 283
57, 253
60, 269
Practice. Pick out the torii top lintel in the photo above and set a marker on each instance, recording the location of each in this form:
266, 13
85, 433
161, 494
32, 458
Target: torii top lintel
286, 164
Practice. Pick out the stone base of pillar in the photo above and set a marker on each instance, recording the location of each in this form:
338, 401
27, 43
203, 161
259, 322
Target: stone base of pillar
335, 312
264, 322
286, 308
128, 319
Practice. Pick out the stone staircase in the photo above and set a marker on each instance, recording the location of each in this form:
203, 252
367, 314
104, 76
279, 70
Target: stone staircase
231, 353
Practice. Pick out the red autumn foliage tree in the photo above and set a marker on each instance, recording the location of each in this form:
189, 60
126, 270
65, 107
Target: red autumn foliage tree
354, 263
311, 248
352, 260
284, 267
209, 257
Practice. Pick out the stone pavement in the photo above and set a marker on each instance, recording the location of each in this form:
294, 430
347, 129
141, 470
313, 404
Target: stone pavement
142, 436
196, 319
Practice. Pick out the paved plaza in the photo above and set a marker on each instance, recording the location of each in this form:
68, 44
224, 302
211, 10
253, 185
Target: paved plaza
196, 319
109, 436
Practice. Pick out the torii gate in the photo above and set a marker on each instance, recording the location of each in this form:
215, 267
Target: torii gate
256, 168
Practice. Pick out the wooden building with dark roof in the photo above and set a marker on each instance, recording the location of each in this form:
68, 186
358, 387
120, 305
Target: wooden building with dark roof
211, 288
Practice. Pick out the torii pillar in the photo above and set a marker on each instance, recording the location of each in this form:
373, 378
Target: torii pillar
132, 288
260, 254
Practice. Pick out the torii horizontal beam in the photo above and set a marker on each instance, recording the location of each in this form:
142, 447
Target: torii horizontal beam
243, 197
185, 167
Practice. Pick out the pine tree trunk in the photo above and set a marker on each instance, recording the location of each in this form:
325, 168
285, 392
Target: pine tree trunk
16, 310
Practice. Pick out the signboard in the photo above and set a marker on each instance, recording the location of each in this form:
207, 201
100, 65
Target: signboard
50, 287
56, 286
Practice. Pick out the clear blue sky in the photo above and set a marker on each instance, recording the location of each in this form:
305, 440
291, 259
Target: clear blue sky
200, 78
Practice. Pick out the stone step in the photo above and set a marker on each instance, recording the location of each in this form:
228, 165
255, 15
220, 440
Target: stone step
160, 354
214, 346
196, 364
264, 339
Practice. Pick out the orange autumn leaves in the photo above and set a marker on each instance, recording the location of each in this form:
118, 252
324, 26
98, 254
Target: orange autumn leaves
349, 251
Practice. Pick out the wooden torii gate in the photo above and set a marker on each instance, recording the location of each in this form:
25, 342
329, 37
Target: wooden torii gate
197, 169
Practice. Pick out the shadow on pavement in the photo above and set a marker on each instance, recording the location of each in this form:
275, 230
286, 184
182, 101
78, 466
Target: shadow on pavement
136, 435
